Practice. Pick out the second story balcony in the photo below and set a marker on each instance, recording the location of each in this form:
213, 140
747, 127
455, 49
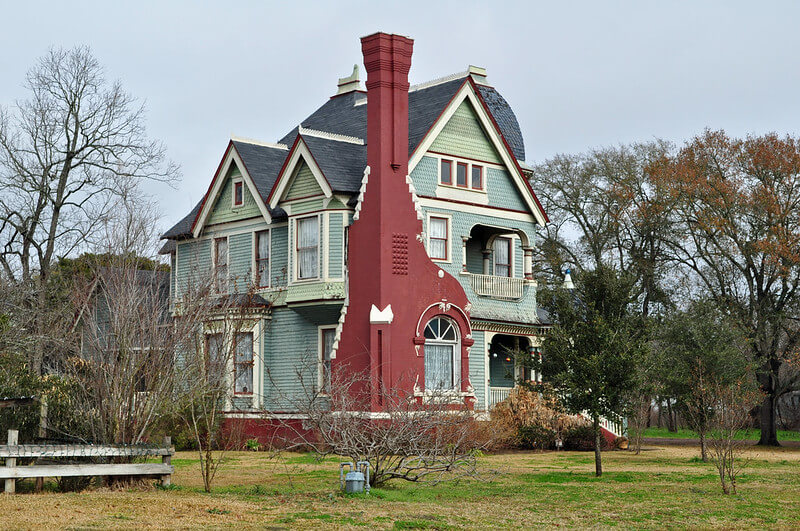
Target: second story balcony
505, 288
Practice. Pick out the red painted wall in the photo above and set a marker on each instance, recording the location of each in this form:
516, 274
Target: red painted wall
387, 263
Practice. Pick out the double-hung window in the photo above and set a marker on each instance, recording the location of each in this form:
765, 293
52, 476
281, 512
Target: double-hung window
502, 257
243, 364
262, 259
327, 336
221, 265
438, 238
308, 248
467, 174
215, 359
477, 177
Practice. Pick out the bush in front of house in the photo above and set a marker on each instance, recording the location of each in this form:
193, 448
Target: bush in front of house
581, 438
532, 419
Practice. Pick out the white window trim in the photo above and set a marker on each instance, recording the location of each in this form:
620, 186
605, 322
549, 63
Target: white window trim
456, 389
227, 262
255, 261
293, 243
512, 245
449, 246
234, 182
320, 378
258, 363
470, 163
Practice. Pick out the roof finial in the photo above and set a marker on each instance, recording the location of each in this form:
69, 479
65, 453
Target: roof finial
349, 83
568, 284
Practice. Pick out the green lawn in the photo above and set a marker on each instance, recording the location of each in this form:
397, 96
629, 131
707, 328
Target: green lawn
661, 487
783, 435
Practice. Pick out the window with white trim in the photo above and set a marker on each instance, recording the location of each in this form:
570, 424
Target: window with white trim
327, 336
243, 364
238, 193
467, 174
262, 258
307, 248
502, 257
438, 238
221, 265
442, 363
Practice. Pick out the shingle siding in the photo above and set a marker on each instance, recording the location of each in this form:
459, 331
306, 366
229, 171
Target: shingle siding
223, 210
463, 136
304, 184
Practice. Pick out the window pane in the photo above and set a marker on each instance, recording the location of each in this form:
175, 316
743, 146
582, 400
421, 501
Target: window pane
237, 193
477, 177
262, 258
216, 357
502, 257
447, 172
439, 228
328, 335
461, 174
222, 251
243, 364
439, 366
307, 247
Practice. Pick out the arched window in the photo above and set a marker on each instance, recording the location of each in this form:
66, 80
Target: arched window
442, 363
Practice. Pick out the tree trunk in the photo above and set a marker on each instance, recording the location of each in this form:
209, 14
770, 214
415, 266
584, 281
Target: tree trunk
598, 463
671, 424
703, 446
769, 432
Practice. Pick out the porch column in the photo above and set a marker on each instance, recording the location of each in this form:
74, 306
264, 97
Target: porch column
527, 264
464, 240
487, 257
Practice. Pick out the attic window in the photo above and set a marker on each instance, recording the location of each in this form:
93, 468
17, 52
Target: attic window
467, 174
238, 193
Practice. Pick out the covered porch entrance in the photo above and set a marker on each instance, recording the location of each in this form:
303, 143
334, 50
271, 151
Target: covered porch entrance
507, 363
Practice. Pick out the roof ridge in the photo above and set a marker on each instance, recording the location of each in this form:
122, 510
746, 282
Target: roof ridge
329, 136
439, 81
273, 145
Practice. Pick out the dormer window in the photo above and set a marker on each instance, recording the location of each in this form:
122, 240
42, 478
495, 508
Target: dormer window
238, 193
468, 175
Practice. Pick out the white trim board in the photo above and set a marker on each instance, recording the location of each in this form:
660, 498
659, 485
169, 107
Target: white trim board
286, 177
231, 156
468, 93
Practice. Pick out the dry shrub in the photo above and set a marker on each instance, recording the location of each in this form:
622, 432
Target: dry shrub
532, 419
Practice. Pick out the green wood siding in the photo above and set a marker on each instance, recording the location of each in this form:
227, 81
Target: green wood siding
279, 256
303, 207
303, 184
291, 344
522, 311
477, 368
335, 243
500, 189
240, 261
222, 212
194, 263
463, 136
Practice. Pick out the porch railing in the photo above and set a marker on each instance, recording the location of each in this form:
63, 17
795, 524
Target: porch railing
497, 395
498, 287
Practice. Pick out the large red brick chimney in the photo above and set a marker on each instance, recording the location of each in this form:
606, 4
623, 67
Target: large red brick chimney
394, 286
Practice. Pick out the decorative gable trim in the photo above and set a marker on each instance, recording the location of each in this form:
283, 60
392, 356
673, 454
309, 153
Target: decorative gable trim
231, 156
298, 153
469, 92
330, 136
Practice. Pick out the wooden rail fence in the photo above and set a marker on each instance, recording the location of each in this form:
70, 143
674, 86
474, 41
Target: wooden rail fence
13, 451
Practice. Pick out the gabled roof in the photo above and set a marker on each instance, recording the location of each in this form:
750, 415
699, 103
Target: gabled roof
342, 162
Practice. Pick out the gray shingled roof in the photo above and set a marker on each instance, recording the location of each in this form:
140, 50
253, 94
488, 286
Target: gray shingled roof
343, 163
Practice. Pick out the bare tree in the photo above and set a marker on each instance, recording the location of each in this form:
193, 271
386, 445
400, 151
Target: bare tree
731, 405
214, 361
125, 349
413, 438
64, 154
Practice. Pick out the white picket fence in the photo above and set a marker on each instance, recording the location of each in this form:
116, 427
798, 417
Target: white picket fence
13, 451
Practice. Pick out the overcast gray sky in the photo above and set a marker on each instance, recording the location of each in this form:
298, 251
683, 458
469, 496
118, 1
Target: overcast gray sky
578, 75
